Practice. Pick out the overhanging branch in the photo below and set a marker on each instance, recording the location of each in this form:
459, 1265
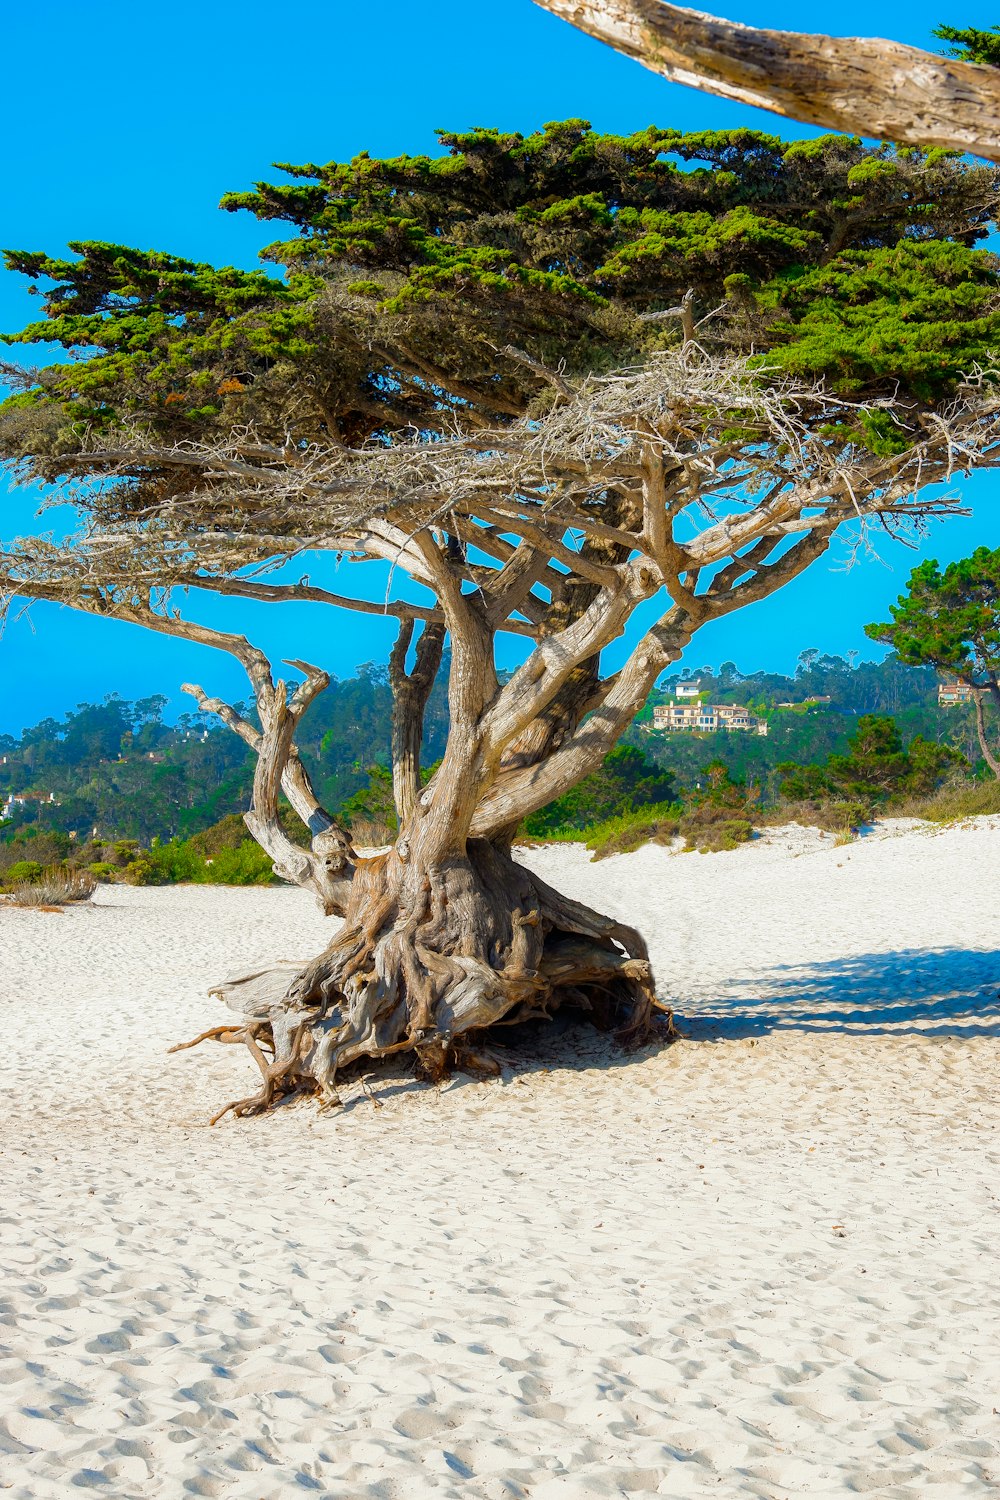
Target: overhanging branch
857, 84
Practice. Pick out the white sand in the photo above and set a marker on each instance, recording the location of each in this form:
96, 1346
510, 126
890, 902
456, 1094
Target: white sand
765, 1262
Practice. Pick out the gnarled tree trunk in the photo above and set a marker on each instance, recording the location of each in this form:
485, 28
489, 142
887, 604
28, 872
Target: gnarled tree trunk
433, 954
446, 935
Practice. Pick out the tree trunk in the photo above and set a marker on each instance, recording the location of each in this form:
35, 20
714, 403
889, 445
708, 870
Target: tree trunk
988, 755
431, 956
446, 936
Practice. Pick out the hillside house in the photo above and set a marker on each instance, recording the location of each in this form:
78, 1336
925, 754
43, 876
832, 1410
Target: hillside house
15, 800
704, 718
952, 691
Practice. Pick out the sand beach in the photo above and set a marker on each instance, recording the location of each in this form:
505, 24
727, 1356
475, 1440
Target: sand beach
762, 1262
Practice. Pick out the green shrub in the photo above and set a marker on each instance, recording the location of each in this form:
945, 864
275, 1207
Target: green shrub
834, 816
655, 824
24, 869
624, 783
719, 813
877, 769
102, 870
165, 864
246, 865
970, 799
718, 835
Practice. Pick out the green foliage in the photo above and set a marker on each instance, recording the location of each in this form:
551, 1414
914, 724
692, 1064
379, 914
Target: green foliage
877, 769
400, 282
718, 812
164, 864
652, 824
245, 865
626, 781
970, 44
23, 869
372, 804
179, 861
923, 313
949, 619
968, 800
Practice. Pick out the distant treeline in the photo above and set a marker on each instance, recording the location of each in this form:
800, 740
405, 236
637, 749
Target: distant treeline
113, 782
810, 732
119, 768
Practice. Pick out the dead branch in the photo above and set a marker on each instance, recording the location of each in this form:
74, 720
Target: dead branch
861, 85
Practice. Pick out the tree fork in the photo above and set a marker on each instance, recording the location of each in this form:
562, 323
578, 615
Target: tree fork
410, 692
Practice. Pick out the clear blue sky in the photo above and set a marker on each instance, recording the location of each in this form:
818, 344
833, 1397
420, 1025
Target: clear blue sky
128, 122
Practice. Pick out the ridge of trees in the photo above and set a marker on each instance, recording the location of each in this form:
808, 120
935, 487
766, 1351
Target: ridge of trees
123, 769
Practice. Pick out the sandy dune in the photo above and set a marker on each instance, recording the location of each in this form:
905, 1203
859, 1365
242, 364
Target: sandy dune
765, 1262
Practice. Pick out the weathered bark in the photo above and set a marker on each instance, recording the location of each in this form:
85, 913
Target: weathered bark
861, 85
984, 745
327, 868
410, 692
429, 959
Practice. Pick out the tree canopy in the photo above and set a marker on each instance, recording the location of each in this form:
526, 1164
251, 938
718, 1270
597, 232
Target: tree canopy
971, 43
414, 287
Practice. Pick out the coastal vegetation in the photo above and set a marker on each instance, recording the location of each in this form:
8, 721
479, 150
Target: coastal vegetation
950, 619
549, 379
117, 791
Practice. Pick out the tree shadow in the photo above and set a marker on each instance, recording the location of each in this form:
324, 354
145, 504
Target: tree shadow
943, 993
933, 992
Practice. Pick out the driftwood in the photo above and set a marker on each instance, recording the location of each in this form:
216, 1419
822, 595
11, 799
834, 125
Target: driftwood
862, 85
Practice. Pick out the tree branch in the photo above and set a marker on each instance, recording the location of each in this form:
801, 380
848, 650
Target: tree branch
860, 85
410, 692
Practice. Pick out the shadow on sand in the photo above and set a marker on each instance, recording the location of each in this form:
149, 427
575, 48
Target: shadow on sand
942, 992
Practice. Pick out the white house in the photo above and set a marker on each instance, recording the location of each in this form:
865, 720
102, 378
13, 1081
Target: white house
22, 799
706, 717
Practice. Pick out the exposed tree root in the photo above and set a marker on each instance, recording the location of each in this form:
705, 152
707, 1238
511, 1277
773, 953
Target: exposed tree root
428, 961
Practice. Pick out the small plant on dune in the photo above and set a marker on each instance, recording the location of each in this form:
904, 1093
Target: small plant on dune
830, 816
969, 799
23, 871
54, 888
720, 812
658, 823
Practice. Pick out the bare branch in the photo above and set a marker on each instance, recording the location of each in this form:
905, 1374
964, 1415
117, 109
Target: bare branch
861, 85
410, 693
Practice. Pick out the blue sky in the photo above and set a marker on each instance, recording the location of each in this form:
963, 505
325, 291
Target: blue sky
127, 123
